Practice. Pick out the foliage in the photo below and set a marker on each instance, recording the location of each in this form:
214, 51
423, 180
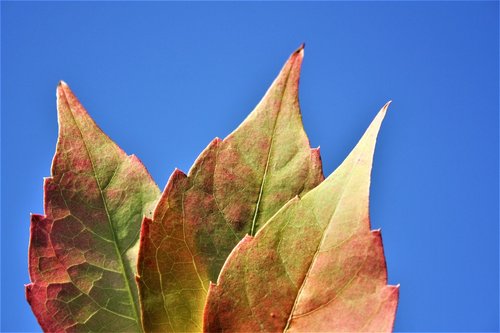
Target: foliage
287, 250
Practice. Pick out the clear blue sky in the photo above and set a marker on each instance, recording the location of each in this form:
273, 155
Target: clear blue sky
163, 79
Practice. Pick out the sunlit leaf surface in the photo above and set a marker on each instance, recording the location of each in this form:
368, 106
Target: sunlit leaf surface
233, 188
315, 266
83, 251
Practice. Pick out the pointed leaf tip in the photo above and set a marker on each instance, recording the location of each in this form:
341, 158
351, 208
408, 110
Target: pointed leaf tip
377, 121
300, 48
61, 92
386, 106
62, 89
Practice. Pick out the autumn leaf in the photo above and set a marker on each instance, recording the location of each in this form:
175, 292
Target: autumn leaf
232, 189
315, 266
305, 258
82, 253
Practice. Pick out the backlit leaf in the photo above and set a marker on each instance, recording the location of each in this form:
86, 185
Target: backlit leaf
233, 188
83, 251
315, 266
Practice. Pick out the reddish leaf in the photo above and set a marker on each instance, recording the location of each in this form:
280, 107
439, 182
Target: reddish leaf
82, 253
233, 187
315, 266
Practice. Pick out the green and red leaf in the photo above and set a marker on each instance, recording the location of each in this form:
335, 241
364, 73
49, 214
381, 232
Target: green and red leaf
289, 251
233, 188
83, 251
315, 266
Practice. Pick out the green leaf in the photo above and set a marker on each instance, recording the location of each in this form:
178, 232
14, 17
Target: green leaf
234, 186
315, 266
83, 251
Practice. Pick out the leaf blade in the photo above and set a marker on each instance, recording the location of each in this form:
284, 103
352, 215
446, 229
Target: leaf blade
233, 186
82, 252
324, 269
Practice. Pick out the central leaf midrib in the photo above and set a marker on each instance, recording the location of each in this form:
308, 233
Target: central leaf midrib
115, 242
264, 176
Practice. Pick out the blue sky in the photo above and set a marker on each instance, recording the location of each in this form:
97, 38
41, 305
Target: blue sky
163, 79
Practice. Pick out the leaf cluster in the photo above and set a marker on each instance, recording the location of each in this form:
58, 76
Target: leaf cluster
251, 239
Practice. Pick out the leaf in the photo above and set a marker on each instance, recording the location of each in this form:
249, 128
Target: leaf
315, 266
234, 186
82, 253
